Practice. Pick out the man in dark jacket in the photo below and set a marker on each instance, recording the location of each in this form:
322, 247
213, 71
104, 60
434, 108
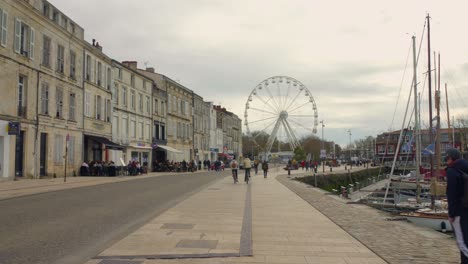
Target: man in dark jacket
458, 214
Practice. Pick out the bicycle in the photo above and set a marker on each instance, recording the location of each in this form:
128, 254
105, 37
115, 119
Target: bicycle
234, 175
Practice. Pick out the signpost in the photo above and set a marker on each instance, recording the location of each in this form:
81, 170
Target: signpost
14, 128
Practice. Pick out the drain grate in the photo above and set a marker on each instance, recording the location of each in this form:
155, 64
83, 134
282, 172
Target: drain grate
177, 226
210, 244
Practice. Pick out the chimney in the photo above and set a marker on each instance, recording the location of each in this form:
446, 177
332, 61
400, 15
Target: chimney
130, 64
150, 69
94, 42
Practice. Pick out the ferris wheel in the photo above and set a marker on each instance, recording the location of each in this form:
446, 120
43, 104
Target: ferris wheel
282, 108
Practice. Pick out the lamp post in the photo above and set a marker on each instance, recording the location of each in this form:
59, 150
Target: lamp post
323, 148
350, 161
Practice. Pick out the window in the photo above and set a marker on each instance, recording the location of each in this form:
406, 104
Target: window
144, 85
98, 107
59, 102
72, 64
3, 27
120, 73
72, 105
46, 10
87, 106
124, 96
88, 67
99, 73
156, 106
45, 99
108, 110
163, 109
148, 105
46, 51
115, 94
64, 22
132, 129
140, 102
132, 81
124, 128
169, 103
55, 16
141, 130
58, 149
22, 81
132, 100
163, 132
147, 131
60, 58
24, 39
71, 149
72, 26
156, 131
109, 78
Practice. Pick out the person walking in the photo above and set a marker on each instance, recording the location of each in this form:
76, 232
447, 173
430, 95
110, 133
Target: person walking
234, 167
247, 167
457, 203
265, 168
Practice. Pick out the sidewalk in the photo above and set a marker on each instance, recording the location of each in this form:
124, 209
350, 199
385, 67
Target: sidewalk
262, 222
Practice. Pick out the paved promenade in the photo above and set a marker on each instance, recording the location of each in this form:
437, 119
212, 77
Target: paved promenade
273, 220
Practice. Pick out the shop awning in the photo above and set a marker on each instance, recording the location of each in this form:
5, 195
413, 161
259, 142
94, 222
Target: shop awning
109, 144
169, 149
142, 147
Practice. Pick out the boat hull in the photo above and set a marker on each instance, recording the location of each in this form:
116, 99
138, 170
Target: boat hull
436, 223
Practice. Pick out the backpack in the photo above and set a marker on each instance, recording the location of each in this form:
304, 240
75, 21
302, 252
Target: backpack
233, 164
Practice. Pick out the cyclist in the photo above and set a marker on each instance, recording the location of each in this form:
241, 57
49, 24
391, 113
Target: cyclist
247, 167
234, 167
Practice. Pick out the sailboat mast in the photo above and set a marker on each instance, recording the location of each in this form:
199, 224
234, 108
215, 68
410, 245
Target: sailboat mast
416, 122
437, 105
429, 72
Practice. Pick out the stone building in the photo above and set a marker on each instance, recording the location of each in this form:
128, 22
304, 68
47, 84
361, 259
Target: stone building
207, 107
41, 52
97, 108
159, 139
228, 133
132, 116
198, 132
179, 119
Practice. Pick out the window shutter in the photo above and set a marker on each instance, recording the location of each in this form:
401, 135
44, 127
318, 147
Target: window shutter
31, 44
95, 107
17, 35
3, 30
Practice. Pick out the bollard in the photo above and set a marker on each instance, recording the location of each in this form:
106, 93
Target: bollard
289, 170
315, 180
343, 192
331, 170
345, 167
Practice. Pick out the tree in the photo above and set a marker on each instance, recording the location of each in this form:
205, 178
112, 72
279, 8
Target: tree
299, 154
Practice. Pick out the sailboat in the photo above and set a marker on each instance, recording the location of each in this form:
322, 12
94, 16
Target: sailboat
433, 217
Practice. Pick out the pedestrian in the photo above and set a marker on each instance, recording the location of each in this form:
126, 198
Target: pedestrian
265, 168
247, 167
457, 207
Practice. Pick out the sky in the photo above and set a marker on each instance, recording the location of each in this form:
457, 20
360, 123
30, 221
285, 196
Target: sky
353, 56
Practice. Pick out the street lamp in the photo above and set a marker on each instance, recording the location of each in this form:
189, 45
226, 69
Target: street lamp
323, 148
350, 161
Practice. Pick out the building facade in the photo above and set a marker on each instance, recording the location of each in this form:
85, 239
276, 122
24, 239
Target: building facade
132, 125
41, 52
198, 132
97, 106
159, 140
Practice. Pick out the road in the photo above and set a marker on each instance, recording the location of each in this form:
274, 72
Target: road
71, 226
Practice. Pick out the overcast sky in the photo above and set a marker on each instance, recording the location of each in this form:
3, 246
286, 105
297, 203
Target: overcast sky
351, 55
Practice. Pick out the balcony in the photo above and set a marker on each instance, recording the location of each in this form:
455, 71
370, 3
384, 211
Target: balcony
22, 111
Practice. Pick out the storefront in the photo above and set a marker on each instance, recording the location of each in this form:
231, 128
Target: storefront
96, 148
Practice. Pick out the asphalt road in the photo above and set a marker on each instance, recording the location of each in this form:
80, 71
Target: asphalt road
71, 226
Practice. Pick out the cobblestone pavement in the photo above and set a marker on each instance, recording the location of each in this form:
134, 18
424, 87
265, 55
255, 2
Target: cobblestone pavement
394, 241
